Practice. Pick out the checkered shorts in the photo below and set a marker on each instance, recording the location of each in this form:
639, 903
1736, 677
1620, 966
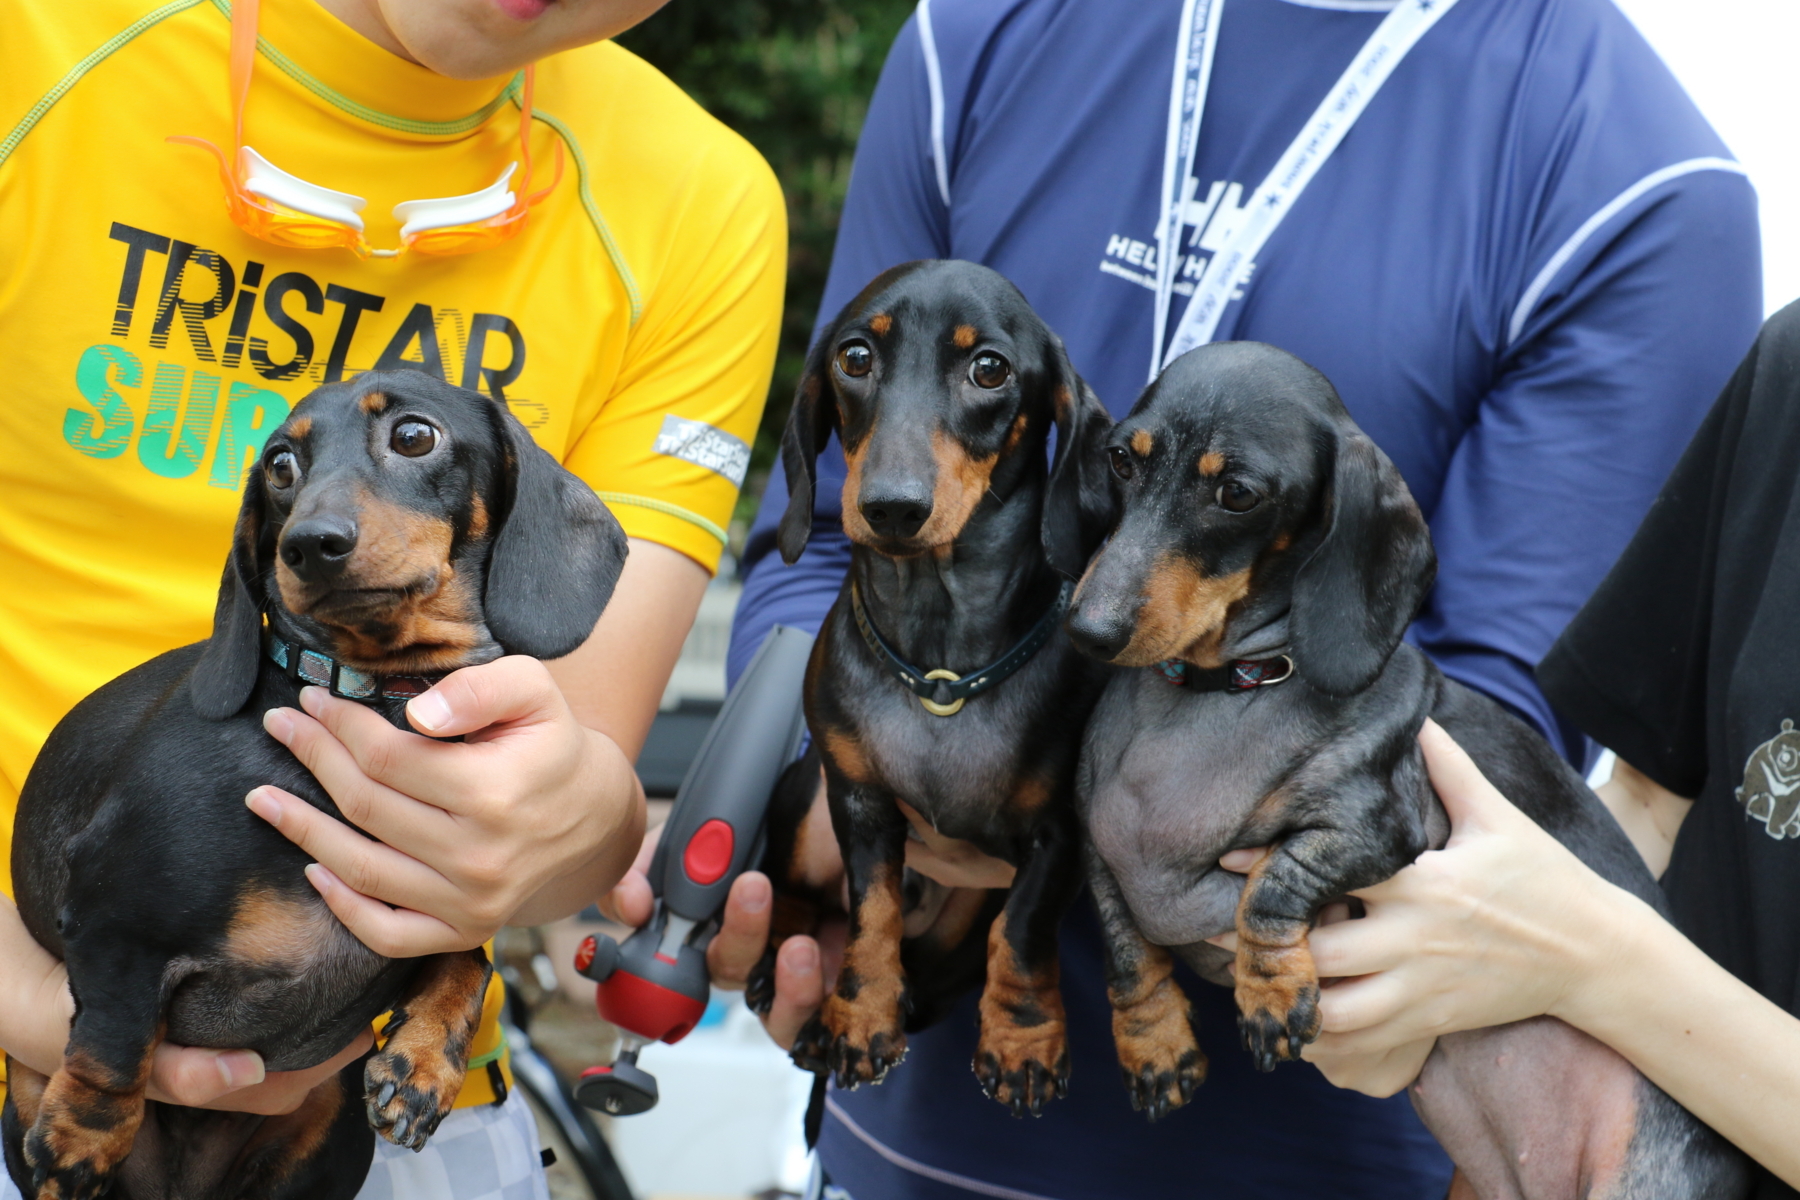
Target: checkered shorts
485, 1153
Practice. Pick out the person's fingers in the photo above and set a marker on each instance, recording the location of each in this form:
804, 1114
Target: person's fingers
1347, 948
364, 799
366, 865
1364, 1003
1376, 1073
1467, 796
799, 989
391, 932
632, 899
235, 1081
509, 691
358, 745
194, 1077
1240, 861
951, 861
743, 932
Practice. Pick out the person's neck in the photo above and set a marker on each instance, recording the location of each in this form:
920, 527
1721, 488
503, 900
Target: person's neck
964, 605
365, 17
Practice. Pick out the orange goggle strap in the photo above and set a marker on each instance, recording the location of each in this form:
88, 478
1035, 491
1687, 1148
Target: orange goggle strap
289, 227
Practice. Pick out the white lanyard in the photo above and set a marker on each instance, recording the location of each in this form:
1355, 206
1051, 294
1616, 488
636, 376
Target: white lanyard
1230, 265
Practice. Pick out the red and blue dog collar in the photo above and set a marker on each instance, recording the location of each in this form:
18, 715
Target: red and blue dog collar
309, 666
1243, 675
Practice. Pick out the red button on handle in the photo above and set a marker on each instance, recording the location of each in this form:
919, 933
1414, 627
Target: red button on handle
708, 854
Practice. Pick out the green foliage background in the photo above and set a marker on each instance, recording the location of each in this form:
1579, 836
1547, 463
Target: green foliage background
793, 77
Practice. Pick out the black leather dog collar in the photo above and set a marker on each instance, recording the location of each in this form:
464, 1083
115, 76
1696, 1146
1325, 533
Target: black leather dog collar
309, 666
944, 692
1244, 675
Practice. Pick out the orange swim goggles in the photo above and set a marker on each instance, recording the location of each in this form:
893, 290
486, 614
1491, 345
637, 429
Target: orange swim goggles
268, 203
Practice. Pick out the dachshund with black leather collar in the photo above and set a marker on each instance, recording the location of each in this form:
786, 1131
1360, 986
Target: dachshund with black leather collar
1266, 562
394, 529
942, 689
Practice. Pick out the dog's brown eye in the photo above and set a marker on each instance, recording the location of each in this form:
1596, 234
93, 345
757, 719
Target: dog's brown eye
989, 371
1119, 459
1235, 497
413, 438
281, 470
856, 360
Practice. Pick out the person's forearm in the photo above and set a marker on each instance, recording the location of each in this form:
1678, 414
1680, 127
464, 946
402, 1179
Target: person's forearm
1725, 1053
34, 1005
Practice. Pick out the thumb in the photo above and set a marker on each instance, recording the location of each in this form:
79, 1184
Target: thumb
192, 1077
514, 690
1469, 799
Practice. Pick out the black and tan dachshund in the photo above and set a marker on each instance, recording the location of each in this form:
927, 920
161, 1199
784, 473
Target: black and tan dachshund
942, 691
395, 528
1267, 559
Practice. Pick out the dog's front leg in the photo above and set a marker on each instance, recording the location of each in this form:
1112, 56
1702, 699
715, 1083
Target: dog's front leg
1153, 1020
411, 1084
859, 1033
89, 1112
1277, 981
1022, 1056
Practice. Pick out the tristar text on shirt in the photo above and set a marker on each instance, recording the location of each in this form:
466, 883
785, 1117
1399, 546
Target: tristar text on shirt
230, 315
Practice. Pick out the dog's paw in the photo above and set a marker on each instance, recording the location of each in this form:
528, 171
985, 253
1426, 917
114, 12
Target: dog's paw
1278, 1002
1024, 1081
852, 1050
1159, 1057
64, 1169
406, 1103
1022, 1055
759, 985
79, 1138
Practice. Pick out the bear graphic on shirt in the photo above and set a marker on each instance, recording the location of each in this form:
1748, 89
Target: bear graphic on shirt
1771, 791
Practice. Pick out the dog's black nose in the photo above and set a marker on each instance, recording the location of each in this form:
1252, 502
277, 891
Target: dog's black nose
1098, 634
318, 547
898, 515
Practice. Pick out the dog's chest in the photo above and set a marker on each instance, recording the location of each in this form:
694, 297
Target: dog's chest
1170, 781
989, 770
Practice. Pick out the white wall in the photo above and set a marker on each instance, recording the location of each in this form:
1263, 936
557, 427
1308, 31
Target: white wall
1738, 59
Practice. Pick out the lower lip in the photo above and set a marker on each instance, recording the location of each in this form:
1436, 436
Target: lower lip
523, 10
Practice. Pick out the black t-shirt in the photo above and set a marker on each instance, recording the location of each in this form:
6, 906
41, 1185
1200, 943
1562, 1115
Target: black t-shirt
1686, 662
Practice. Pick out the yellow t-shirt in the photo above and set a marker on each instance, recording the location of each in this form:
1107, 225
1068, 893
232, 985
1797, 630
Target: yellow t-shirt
151, 346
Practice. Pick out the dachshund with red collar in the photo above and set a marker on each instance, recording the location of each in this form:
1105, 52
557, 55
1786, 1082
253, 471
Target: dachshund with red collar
1266, 562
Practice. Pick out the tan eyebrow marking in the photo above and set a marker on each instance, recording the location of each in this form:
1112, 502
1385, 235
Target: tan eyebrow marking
1142, 442
1212, 462
300, 428
965, 336
373, 403
881, 323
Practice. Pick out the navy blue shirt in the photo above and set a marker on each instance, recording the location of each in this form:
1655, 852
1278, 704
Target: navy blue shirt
1527, 269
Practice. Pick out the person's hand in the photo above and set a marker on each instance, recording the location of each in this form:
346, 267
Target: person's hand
1496, 927
805, 967
234, 1080
452, 840
226, 1080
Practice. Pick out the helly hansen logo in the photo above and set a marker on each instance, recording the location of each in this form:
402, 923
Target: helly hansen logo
1206, 225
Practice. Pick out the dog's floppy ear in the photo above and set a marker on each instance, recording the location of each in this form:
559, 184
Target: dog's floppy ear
226, 673
1355, 596
556, 556
809, 427
1080, 505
